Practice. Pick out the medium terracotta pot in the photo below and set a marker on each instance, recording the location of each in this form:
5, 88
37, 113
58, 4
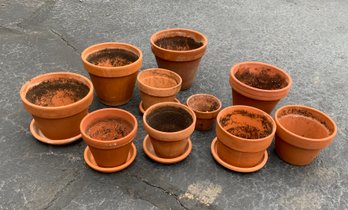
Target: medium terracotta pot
206, 108
58, 101
301, 133
169, 126
158, 85
113, 68
260, 85
109, 134
179, 50
244, 133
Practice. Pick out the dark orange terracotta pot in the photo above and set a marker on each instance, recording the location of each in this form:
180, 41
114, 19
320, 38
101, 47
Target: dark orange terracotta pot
58, 102
244, 133
206, 108
109, 134
113, 68
179, 50
260, 85
302, 132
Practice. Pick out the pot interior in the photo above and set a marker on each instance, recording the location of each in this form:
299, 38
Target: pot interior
109, 129
203, 103
159, 79
169, 119
112, 57
57, 92
179, 43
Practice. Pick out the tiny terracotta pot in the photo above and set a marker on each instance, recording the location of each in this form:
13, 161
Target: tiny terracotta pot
179, 50
58, 101
169, 126
260, 85
302, 132
158, 85
113, 68
109, 134
244, 133
206, 108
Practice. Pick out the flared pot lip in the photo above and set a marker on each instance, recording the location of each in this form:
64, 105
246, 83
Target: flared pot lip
242, 107
328, 119
204, 94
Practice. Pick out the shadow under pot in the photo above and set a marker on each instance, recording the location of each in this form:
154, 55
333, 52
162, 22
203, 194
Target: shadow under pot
109, 134
57, 101
113, 68
206, 108
179, 50
158, 85
243, 135
169, 126
302, 132
260, 85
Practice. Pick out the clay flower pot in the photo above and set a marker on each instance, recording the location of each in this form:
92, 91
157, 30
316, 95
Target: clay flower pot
113, 68
244, 133
206, 108
260, 85
57, 101
158, 85
179, 50
109, 134
301, 133
169, 126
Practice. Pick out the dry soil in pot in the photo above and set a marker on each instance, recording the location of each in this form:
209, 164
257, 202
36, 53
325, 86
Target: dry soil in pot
112, 57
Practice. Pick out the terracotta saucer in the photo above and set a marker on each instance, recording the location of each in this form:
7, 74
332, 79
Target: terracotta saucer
142, 109
235, 168
42, 138
89, 159
150, 152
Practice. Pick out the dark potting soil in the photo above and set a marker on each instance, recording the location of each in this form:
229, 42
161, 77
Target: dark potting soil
179, 43
169, 119
262, 80
205, 106
112, 57
58, 92
110, 129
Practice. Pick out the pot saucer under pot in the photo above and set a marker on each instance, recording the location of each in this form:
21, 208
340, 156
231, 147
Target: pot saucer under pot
235, 168
89, 159
35, 131
141, 108
150, 152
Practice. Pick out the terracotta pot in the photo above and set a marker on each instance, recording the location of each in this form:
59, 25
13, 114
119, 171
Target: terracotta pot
169, 126
58, 101
206, 108
179, 50
109, 134
158, 85
113, 68
260, 85
244, 133
301, 133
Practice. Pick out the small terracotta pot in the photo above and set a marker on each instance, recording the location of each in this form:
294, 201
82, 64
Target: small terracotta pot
206, 108
113, 68
158, 85
169, 126
109, 134
58, 101
260, 85
244, 133
301, 133
179, 50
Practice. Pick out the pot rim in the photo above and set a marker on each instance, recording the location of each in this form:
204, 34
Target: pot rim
178, 85
204, 94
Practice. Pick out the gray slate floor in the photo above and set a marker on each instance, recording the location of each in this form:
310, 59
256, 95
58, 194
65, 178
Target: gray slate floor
309, 39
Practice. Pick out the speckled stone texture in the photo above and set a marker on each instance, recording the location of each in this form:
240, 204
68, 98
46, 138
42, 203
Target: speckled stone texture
309, 39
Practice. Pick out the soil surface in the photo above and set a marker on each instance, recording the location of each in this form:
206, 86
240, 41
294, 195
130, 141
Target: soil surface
203, 104
110, 129
169, 119
112, 57
59, 92
263, 79
179, 43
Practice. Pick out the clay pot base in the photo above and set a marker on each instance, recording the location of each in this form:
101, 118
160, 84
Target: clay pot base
235, 168
150, 152
141, 109
89, 159
42, 138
